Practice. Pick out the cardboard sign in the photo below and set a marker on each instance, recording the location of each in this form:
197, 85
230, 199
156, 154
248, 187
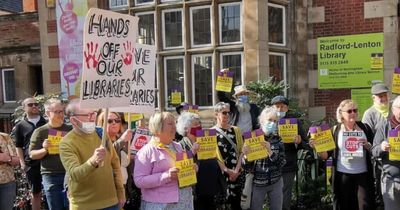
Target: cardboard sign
191, 108
207, 140
288, 129
141, 138
394, 141
253, 139
224, 81
396, 81
187, 173
323, 138
54, 139
351, 145
109, 42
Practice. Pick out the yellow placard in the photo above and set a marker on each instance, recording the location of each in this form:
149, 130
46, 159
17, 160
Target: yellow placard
323, 140
134, 116
54, 141
288, 131
396, 83
328, 174
224, 83
377, 61
394, 153
187, 173
176, 97
207, 147
257, 150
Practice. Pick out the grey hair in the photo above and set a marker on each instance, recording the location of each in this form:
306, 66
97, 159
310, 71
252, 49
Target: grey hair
51, 102
342, 104
396, 102
185, 121
220, 106
72, 107
263, 116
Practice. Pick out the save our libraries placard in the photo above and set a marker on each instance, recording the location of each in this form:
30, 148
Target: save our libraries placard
322, 135
394, 141
54, 139
288, 129
187, 173
254, 140
207, 140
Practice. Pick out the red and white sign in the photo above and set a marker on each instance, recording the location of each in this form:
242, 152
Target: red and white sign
351, 144
141, 138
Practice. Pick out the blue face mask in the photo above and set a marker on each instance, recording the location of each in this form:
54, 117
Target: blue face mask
243, 98
270, 128
280, 114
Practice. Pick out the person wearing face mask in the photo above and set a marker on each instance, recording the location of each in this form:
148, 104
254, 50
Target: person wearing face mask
243, 114
281, 105
95, 180
373, 116
267, 179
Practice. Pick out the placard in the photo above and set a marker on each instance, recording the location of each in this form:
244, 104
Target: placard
394, 142
288, 129
207, 140
396, 81
224, 81
142, 137
187, 173
191, 108
254, 140
134, 117
322, 135
176, 96
54, 137
351, 144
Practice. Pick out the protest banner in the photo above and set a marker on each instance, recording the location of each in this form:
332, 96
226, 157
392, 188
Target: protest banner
224, 81
394, 142
54, 137
351, 145
207, 140
396, 81
187, 173
253, 139
191, 108
142, 137
109, 40
322, 135
288, 129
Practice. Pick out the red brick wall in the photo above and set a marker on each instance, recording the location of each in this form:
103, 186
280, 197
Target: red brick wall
19, 30
342, 17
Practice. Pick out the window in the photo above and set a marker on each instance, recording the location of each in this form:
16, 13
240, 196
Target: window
8, 82
163, 1
172, 28
118, 3
203, 80
143, 2
233, 61
276, 24
200, 25
175, 76
277, 66
146, 28
230, 23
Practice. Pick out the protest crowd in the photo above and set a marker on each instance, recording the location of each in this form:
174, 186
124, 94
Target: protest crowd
247, 160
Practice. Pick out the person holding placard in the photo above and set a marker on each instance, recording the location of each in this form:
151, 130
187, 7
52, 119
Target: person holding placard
352, 178
44, 146
156, 173
386, 146
267, 179
230, 143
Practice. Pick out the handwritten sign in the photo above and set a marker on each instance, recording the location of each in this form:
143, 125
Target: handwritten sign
207, 140
396, 81
141, 138
323, 138
176, 96
351, 145
134, 116
187, 173
253, 139
191, 108
224, 81
394, 142
108, 75
288, 129
54, 139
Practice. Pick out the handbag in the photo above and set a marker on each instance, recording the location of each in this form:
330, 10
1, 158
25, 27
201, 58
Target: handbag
245, 199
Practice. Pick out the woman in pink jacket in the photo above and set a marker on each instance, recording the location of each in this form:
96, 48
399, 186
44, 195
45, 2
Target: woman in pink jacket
155, 172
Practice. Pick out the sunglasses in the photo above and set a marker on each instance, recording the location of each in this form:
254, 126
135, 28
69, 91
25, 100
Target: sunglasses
351, 111
114, 121
225, 113
32, 104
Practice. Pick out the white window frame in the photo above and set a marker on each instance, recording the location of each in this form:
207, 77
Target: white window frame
3, 83
283, 23
165, 1
193, 80
284, 55
220, 23
142, 4
163, 28
232, 53
166, 80
191, 26
155, 28
119, 6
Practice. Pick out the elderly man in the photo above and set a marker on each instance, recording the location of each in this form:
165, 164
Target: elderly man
23, 131
243, 114
41, 148
390, 179
95, 180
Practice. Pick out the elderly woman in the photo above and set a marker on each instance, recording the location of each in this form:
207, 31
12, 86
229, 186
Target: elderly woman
267, 172
230, 143
155, 172
352, 179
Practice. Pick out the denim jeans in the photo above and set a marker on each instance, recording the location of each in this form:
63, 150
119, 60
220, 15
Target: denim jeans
7, 195
54, 190
115, 207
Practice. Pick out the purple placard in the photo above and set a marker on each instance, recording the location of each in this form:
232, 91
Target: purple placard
329, 162
291, 121
393, 133
211, 132
180, 155
323, 127
176, 90
397, 70
228, 74
53, 132
247, 135
71, 72
194, 107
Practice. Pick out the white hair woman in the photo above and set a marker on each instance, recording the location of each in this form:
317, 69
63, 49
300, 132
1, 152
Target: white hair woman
155, 172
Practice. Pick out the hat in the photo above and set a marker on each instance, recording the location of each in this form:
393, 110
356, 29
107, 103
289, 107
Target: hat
379, 88
240, 89
180, 106
280, 99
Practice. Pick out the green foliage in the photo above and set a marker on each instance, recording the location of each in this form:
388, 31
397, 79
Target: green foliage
265, 90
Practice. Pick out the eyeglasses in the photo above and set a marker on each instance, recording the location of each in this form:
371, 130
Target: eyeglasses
225, 113
32, 104
351, 111
58, 112
116, 120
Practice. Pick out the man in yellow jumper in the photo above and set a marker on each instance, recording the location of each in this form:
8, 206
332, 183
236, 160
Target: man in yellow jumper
90, 186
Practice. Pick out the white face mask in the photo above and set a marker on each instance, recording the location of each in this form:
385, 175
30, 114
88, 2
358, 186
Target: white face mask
86, 127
